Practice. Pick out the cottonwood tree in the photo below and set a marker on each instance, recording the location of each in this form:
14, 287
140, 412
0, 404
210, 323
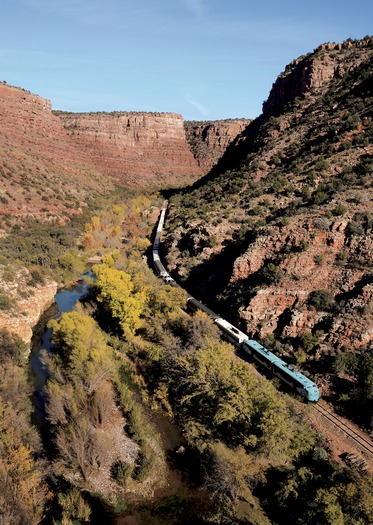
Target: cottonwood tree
80, 393
116, 291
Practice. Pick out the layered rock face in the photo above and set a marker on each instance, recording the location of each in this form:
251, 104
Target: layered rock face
140, 148
28, 302
317, 266
51, 162
209, 140
31, 130
290, 216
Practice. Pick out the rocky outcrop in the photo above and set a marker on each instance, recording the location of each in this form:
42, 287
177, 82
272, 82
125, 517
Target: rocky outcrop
313, 71
51, 162
139, 148
209, 140
311, 262
278, 237
27, 303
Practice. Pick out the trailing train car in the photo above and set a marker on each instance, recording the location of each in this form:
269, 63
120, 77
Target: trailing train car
160, 269
156, 242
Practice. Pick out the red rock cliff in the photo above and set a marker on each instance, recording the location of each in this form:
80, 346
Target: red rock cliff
141, 148
43, 174
26, 308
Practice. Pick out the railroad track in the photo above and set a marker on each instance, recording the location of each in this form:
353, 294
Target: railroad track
365, 444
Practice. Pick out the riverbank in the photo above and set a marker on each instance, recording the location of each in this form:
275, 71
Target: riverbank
29, 296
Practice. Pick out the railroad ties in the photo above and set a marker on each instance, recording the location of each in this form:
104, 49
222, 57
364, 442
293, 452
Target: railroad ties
361, 441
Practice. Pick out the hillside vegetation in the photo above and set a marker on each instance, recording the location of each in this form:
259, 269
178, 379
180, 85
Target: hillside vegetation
279, 235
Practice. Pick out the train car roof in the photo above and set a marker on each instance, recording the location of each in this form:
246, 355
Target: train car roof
229, 326
201, 306
290, 371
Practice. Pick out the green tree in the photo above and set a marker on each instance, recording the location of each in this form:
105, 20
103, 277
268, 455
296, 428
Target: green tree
270, 274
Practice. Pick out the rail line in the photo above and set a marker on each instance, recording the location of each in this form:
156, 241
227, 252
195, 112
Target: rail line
362, 444
365, 444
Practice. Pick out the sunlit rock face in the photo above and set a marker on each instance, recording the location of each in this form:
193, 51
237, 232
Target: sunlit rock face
28, 303
209, 140
140, 148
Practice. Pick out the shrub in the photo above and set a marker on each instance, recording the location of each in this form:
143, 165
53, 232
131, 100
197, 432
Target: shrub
121, 472
339, 210
212, 241
318, 259
354, 228
322, 300
36, 278
341, 256
6, 302
8, 275
319, 197
270, 274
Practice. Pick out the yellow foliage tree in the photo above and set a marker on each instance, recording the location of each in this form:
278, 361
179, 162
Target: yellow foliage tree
23, 493
116, 291
84, 347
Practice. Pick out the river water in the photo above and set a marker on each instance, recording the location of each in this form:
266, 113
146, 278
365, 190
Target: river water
65, 300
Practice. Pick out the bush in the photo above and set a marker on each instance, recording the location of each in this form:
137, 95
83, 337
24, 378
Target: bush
8, 275
270, 274
6, 303
319, 197
339, 210
322, 300
12, 347
354, 228
36, 278
121, 472
342, 256
318, 259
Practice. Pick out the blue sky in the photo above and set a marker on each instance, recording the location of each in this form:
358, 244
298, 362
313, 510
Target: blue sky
205, 59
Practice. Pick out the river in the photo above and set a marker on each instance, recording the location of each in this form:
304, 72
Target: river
65, 300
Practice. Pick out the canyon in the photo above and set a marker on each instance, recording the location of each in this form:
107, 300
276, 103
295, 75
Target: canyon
269, 224
52, 162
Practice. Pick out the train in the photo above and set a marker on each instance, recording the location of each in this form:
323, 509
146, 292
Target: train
287, 374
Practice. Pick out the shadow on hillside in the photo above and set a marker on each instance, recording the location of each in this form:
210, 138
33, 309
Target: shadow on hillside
208, 281
235, 153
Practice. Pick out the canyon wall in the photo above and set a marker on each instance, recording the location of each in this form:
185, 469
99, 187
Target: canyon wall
279, 237
43, 174
27, 302
313, 71
51, 162
139, 148
209, 140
